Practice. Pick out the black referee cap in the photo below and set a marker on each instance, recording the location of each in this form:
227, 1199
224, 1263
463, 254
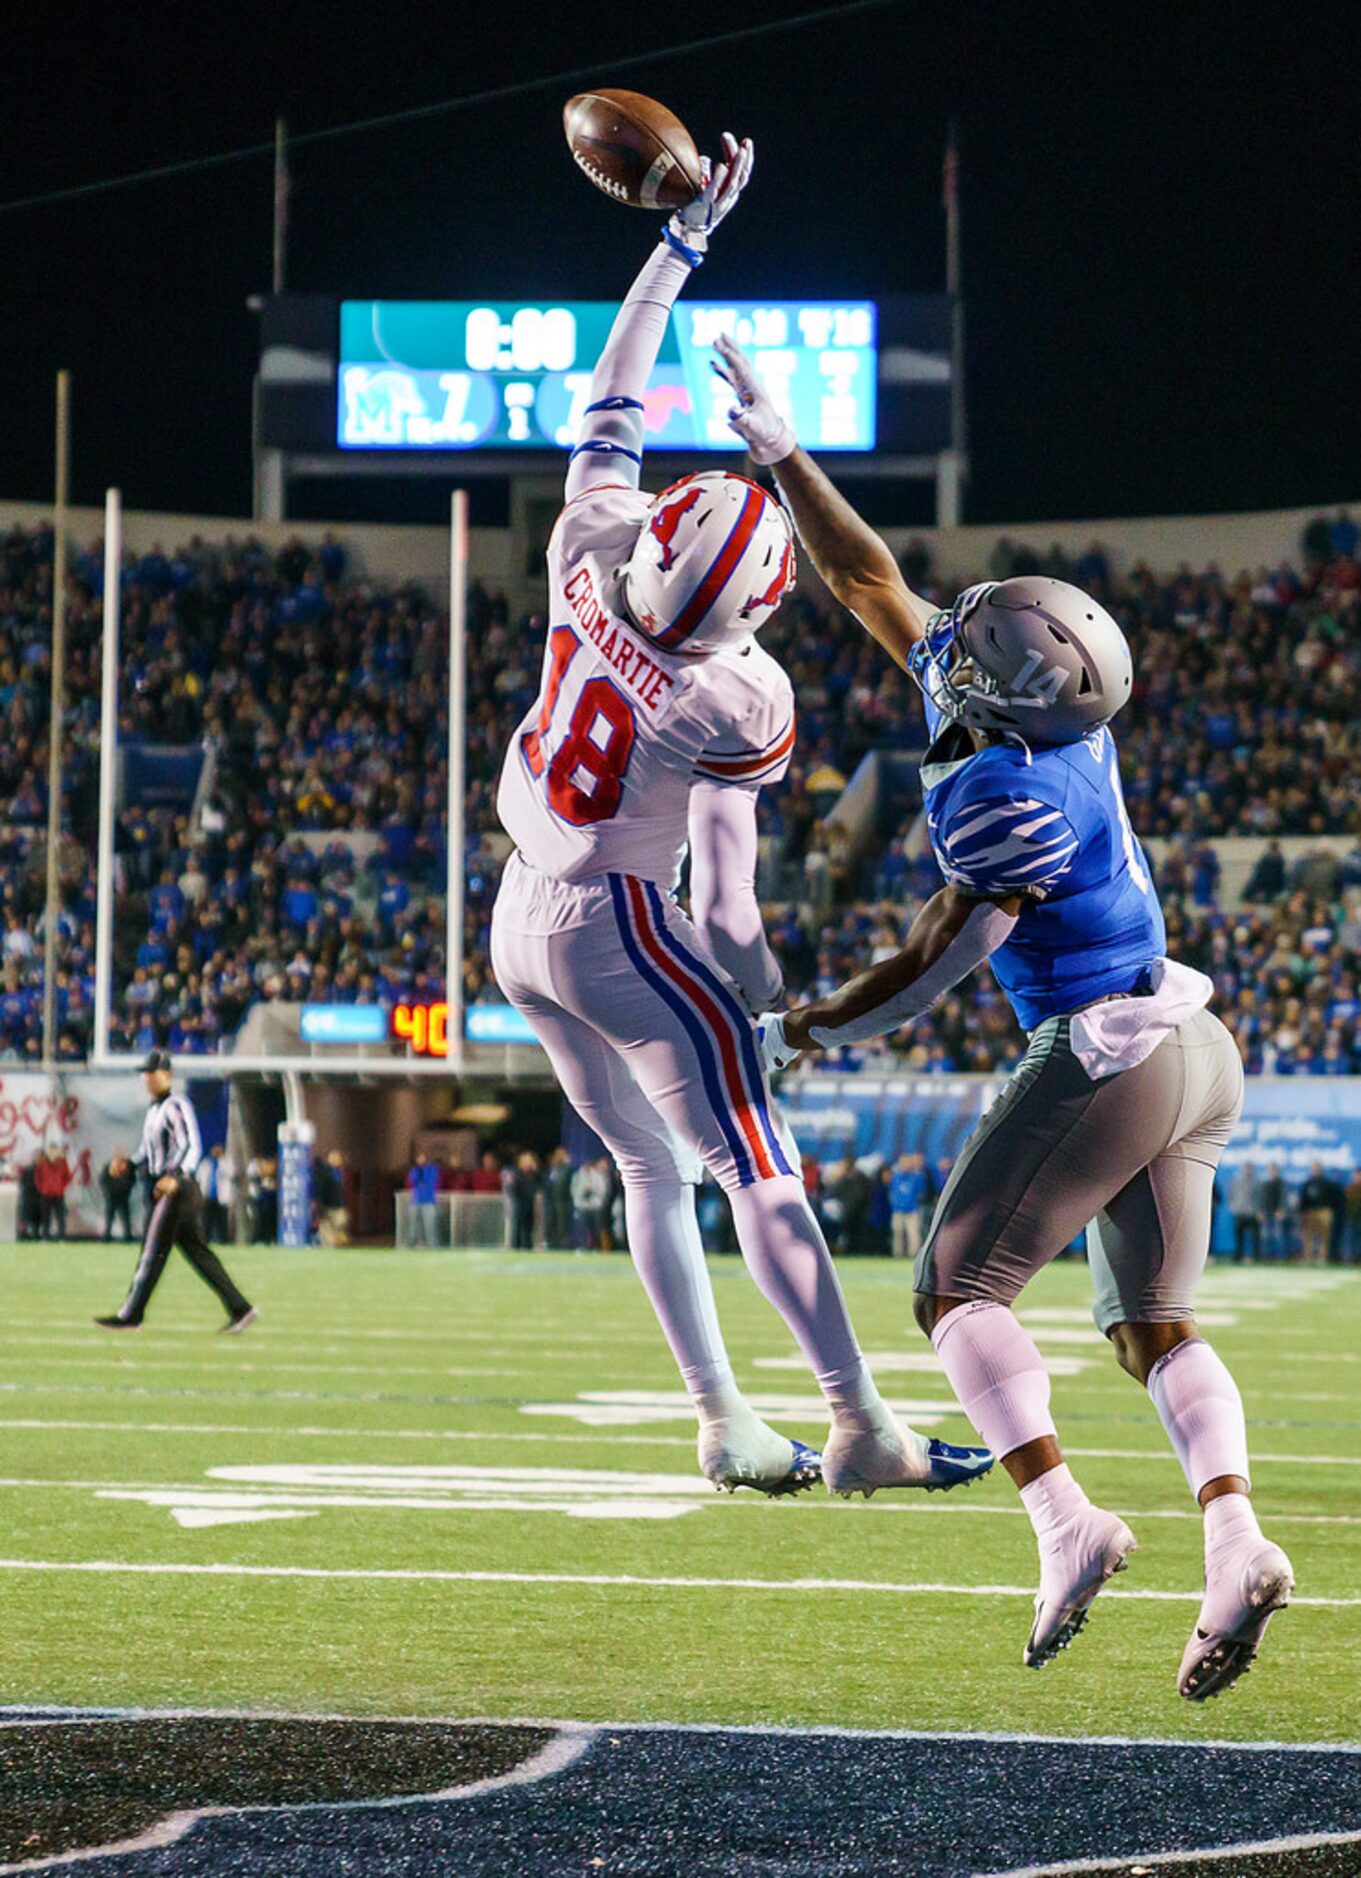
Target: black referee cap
157, 1059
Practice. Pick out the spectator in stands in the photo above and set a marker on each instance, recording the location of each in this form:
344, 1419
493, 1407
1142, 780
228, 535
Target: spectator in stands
29, 1223
262, 1193
1246, 1205
116, 1180
590, 1195
526, 1183
1267, 880
486, 1176
907, 1193
1319, 1199
853, 1192
328, 1188
222, 1211
422, 1210
53, 1176
1276, 1209
557, 1201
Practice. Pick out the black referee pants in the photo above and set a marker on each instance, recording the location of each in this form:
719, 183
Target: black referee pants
178, 1220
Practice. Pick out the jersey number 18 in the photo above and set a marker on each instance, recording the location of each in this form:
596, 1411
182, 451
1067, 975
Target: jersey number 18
584, 778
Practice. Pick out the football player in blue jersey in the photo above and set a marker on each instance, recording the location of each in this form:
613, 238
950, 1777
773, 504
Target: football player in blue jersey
1117, 1116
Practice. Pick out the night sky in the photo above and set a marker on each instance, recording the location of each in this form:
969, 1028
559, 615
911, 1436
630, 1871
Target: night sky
1160, 221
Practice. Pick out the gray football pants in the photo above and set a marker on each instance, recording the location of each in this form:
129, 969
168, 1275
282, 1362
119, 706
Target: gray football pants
1131, 1157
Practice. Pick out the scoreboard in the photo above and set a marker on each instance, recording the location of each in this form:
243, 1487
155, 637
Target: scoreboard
466, 375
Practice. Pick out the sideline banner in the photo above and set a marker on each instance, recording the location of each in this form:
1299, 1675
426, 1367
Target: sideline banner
1294, 1121
89, 1118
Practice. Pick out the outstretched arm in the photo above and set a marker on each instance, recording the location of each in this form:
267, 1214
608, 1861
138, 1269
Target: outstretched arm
855, 562
723, 900
610, 448
949, 938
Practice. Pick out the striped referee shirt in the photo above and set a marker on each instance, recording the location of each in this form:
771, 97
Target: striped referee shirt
170, 1138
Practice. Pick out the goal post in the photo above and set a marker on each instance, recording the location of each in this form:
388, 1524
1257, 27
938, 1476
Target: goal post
108, 773
454, 833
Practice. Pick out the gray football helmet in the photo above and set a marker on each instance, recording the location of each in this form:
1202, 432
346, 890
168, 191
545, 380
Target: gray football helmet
1029, 657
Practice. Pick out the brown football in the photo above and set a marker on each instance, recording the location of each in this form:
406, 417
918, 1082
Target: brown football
632, 148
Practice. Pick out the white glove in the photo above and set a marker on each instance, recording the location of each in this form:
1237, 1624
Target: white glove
775, 1052
766, 434
689, 229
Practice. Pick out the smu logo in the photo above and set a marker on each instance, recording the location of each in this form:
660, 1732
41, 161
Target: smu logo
667, 520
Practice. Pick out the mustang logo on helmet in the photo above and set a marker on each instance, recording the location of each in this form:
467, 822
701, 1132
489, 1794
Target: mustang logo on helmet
665, 521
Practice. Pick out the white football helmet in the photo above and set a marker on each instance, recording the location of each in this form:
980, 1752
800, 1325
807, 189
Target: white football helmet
1028, 657
712, 562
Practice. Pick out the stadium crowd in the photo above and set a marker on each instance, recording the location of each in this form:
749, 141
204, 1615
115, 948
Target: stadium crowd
308, 863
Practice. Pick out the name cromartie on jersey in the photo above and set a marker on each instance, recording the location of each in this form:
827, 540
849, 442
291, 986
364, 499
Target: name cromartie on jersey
643, 676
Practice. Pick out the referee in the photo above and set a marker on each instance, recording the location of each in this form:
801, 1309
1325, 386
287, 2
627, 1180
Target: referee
168, 1156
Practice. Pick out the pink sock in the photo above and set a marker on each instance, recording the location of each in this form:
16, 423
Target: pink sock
1199, 1405
997, 1373
1053, 1500
1230, 1525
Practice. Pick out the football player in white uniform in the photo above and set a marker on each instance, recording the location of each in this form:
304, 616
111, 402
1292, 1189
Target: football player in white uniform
658, 720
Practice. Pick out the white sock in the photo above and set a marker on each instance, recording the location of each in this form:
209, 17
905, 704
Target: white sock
1199, 1405
997, 1373
854, 1398
668, 1255
1230, 1524
1053, 1500
787, 1257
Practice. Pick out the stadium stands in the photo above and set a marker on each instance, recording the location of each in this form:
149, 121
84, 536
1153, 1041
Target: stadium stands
282, 834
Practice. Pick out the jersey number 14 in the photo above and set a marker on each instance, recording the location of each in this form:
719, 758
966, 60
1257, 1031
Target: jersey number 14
584, 778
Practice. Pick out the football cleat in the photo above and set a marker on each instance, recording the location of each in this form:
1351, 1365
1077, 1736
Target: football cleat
1074, 1564
119, 1323
1238, 1607
861, 1460
243, 1319
771, 1464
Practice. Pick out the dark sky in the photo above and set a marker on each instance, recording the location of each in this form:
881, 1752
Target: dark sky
1160, 219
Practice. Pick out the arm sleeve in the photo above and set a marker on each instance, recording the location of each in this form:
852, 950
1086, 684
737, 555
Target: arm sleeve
986, 928
610, 448
995, 845
723, 889
139, 1158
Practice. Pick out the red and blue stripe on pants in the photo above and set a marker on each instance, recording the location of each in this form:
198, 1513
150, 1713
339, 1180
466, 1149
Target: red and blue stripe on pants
715, 1023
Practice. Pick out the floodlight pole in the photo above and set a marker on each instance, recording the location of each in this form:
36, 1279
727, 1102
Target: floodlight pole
57, 711
108, 770
454, 832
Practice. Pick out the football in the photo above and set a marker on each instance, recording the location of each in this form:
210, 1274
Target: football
632, 148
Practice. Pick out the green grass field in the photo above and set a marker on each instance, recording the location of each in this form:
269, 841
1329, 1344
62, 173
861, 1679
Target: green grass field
385, 1555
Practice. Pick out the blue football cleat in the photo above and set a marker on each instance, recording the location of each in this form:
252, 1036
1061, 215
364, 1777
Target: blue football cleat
955, 1467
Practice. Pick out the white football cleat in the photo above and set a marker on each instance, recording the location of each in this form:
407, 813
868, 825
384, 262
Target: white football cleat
1075, 1561
746, 1453
861, 1460
1240, 1600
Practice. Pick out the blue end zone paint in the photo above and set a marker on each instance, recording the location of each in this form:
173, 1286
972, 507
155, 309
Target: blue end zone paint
716, 1803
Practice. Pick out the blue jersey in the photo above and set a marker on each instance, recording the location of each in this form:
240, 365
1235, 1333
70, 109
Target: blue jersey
1050, 824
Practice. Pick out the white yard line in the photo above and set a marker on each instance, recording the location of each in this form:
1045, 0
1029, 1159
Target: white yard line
595, 1440
1204, 1855
216, 1484
621, 1580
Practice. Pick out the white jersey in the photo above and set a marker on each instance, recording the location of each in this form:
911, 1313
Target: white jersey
598, 775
